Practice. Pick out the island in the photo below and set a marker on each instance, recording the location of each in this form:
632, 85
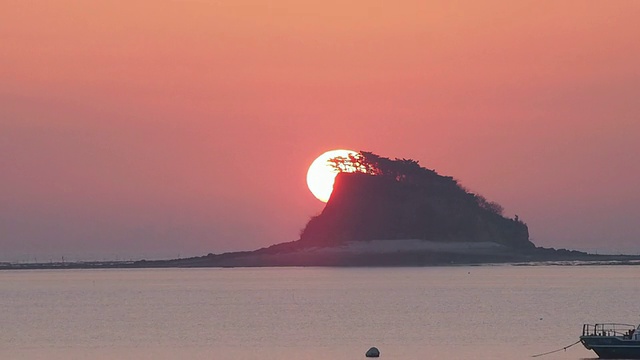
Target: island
391, 212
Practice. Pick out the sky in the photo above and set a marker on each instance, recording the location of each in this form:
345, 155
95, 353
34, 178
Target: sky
162, 129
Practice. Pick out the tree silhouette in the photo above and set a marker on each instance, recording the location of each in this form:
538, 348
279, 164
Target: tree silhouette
491, 206
406, 171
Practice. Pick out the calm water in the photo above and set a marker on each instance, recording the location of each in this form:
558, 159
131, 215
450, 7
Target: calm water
487, 312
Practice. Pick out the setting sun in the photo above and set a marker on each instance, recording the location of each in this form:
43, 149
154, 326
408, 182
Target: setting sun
321, 175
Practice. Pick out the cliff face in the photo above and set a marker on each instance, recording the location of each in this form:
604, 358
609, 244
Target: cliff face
429, 206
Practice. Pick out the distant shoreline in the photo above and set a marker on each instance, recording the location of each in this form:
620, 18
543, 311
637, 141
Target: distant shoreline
380, 253
129, 265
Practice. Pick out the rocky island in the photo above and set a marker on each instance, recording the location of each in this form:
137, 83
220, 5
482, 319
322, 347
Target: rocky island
385, 212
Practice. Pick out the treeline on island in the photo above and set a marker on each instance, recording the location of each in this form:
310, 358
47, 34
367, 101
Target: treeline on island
377, 198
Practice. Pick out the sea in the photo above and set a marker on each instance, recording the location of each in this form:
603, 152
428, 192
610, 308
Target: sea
454, 312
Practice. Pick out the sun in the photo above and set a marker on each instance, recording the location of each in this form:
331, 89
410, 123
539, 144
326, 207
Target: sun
321, 175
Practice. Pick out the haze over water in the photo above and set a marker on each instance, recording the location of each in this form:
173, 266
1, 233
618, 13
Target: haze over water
479, 312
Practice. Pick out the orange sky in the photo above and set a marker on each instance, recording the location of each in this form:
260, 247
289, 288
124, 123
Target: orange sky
166, 128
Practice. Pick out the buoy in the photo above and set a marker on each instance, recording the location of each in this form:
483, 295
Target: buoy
373, 352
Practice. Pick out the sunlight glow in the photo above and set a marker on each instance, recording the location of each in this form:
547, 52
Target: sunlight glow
321, 175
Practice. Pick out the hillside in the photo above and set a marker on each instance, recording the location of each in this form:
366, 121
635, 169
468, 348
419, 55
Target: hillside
397, 199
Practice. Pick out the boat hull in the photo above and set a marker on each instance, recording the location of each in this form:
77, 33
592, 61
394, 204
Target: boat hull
612, 347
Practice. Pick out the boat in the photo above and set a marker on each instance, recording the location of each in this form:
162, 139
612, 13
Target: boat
612, 340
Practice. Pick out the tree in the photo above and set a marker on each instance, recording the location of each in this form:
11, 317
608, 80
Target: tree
491, 206
372, 164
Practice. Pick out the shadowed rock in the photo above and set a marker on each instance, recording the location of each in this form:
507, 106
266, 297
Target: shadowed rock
373, 353
431, 207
